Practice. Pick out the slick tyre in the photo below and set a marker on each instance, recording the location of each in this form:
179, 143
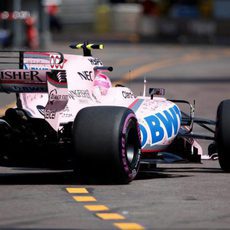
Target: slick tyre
107, 143
222, 134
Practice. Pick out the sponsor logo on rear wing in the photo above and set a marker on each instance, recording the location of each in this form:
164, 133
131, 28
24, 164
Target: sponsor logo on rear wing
19, 81
53, 82
33, 60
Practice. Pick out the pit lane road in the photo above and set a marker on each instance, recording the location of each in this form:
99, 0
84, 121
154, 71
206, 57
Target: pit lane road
181, 196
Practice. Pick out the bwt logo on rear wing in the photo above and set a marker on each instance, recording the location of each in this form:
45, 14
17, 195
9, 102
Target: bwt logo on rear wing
53, 82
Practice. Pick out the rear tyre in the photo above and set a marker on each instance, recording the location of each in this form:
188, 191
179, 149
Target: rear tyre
5, 140
222, 135
107, 143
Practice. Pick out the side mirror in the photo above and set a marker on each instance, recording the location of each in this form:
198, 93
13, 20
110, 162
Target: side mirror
156, 92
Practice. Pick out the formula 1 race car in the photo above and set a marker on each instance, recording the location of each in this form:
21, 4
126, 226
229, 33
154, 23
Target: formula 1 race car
68, 115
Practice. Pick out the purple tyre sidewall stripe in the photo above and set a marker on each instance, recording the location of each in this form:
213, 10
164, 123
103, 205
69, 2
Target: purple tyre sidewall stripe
124, 159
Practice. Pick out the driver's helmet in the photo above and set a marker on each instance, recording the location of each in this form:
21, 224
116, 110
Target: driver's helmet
103, 83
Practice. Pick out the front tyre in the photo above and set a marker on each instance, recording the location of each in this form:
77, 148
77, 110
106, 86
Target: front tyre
222, 134
107, 143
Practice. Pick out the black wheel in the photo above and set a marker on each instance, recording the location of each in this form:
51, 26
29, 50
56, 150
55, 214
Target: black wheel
5, 140
107, 143
223, 134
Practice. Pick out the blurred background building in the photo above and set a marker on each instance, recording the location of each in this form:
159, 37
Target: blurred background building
36, 23
23, 23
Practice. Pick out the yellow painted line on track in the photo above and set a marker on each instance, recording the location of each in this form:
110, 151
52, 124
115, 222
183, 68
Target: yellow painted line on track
226, 52
99, 210
84, 198
96, 208
110, 216
77, 190
153, 66
129, 226
164, 63
131, 60
146, 69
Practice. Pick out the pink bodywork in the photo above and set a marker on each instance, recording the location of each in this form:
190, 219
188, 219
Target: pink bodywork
60, 103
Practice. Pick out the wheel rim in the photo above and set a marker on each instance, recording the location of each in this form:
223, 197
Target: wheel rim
130, 153
131, 147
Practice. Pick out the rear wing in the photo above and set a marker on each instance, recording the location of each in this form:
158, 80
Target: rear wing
28, 71
20, 59
21, 79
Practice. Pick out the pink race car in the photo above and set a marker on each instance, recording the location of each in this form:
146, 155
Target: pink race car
68, 115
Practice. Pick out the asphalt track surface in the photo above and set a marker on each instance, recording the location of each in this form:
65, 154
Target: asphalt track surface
174, 196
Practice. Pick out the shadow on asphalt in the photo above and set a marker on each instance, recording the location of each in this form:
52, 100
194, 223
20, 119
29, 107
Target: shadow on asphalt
37, 178
156, 175
192, 170
175, 172
69, 178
